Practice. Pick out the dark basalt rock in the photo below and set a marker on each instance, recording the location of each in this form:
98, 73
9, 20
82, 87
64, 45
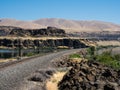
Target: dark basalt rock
108, 87
5, 30
90, 75
27, 43
15, 31
41, 75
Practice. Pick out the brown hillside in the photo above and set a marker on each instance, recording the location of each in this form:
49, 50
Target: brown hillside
68, 25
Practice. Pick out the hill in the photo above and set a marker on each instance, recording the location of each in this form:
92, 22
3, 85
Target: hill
68, 25
18, 23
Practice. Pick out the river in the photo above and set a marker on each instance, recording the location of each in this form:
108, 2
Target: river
13, 53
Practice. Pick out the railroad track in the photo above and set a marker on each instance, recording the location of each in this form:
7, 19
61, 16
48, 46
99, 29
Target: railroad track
11, 75
7, 64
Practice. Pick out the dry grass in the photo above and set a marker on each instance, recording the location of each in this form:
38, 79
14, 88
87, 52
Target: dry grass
37, 38
88, 43
62, 47
6, 60
54, 80
100, 43
78, 60
106, 43
31, 38
3, 47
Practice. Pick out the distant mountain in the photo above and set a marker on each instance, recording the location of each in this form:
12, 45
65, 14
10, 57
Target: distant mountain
68, 25
17, 23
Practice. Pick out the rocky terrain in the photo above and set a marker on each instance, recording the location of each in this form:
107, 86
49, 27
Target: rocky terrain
88, 75
13, 37
27, 43
68, 25
16, 31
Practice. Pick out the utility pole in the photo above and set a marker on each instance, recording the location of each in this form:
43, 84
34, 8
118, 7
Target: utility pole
19, 45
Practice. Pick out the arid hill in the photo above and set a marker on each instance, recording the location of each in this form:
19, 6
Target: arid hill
68, 25
17, 23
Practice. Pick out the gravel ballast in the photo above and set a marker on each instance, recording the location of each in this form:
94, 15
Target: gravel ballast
12, 76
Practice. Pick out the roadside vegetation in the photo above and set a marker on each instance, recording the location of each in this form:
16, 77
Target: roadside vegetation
76, 55
106, 58
30, 54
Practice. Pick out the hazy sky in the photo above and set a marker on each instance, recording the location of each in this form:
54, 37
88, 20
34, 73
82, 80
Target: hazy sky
104, 10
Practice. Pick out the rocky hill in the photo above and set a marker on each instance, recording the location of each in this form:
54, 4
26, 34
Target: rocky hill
68, 25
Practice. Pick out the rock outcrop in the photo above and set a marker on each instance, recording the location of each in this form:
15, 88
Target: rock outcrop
15, 31
90, 75
29, 43
5, 30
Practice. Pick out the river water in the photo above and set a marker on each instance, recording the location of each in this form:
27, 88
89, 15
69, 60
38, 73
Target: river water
12, 53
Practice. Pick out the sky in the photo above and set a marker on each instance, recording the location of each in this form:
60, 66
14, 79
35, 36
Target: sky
103, 10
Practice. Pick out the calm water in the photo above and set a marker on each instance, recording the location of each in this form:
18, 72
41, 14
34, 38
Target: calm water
4, 53
10, 53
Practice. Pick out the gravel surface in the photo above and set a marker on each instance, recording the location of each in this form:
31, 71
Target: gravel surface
13, 75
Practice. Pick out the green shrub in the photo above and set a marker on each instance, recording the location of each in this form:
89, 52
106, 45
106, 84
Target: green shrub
117, 57
108, 59
30, 54
91, 50
75, 56
91, 53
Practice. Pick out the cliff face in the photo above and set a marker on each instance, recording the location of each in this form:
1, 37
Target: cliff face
15, 31
31, 38
27, 43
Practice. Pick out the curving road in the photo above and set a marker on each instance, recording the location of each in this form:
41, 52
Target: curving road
11, 76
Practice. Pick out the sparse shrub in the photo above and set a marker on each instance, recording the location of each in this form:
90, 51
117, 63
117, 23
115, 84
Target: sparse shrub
108, 59
30, 54
117, 57
91, 53
75, 56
